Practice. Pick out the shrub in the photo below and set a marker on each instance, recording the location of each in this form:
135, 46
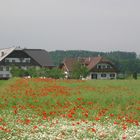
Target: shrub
79, 71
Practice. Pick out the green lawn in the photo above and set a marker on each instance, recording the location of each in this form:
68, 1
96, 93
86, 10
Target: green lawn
2, 82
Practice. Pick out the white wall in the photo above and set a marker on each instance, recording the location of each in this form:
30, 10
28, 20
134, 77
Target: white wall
17, 60
100, 77
5, 73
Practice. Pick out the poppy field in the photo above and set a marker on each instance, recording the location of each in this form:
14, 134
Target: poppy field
49, 109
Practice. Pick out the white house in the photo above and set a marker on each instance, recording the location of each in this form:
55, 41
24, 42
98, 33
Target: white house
99, 67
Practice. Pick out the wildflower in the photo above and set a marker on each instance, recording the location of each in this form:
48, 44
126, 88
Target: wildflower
14, 106
35, 127
70, 115
115, 122
44, 113
124, 137
44, 117
78, 123
15, 111
124, 127
27, 121
93, 130
97, 118
111, 115
90, 103
136, 123
79, 99
86, 114
0, 119
73, 124
1, 128
72, 112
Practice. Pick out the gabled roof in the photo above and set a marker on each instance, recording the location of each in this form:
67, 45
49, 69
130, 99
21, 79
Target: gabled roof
40, 56
90, 62
5, 52
93, 61
68, 62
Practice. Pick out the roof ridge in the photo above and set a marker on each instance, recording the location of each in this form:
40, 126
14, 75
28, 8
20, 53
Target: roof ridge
6, 48
33, 49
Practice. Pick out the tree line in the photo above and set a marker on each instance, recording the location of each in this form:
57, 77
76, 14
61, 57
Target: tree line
33, 72
78, 71
126, 62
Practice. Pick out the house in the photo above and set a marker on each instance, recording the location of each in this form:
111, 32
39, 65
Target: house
22, 58
99, 67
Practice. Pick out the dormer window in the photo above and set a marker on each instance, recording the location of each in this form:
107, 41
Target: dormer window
109, 67
13, 61
99, 67
21, 59
1, 68
7, 68
27, 61
103, 66
6, 60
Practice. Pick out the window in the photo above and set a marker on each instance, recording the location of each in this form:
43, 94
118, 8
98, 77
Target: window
1, 75
99, 66
27, 61
21, 59
94, 76
109, 67
6, 60
112, 75
7, 68
103, 75
7, 75
13, 61
1, 68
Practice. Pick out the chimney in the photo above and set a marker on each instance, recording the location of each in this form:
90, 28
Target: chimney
89, 59
2, 54
79, 59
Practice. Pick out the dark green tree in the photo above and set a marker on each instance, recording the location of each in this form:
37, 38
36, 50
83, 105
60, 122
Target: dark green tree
55, 73
135, 75
17, 72
78, 71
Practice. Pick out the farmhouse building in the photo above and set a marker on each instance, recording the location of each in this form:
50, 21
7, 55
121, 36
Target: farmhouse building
22, 58
99, 67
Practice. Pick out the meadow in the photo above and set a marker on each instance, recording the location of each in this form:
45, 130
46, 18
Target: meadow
44, 109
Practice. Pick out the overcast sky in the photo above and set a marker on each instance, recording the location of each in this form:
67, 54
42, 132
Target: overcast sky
96, 25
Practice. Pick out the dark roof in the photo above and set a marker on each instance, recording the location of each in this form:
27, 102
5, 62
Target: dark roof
40, 56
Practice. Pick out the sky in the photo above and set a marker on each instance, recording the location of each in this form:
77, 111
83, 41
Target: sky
95, 25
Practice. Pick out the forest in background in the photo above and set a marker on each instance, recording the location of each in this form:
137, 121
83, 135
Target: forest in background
126, 62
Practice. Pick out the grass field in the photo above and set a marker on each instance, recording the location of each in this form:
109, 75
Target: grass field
69, 109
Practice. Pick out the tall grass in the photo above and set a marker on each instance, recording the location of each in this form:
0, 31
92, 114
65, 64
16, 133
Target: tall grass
33, 102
